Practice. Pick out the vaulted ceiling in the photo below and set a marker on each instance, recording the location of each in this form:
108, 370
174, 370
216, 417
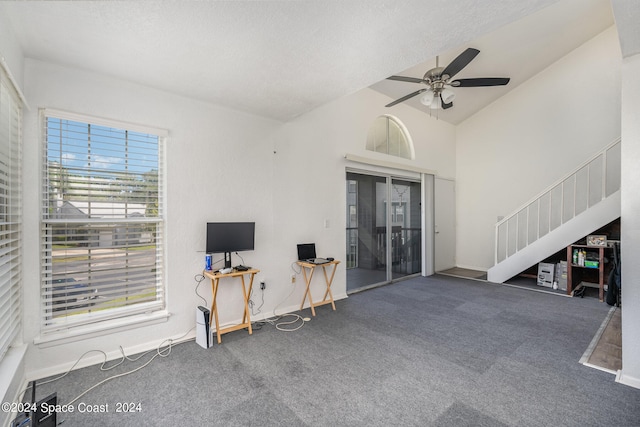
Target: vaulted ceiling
280, 59
518, 50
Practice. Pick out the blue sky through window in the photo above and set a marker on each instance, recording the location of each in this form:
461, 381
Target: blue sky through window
87, 149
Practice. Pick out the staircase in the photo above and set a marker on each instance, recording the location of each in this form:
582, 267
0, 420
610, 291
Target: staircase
575, 206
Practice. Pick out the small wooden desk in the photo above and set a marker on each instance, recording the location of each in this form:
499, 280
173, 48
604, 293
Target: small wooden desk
215, 281
307, 271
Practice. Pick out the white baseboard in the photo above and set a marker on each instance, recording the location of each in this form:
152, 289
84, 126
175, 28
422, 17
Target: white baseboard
292, 308
115, 354
627, 380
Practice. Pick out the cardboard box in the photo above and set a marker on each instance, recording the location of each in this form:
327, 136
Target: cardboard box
545, 274
591, 264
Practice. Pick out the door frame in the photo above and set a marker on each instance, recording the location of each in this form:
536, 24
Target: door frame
427, 192
444, 224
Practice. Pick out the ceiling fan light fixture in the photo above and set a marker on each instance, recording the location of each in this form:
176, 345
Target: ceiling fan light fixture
447, 96
438, 81
427, 98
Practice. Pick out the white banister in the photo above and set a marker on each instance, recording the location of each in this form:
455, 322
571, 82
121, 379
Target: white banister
502, 234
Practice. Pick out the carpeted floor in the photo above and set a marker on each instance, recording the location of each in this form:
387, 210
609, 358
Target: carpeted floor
435, 351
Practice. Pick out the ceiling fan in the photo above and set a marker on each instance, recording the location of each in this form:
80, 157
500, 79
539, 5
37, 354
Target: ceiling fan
439, 82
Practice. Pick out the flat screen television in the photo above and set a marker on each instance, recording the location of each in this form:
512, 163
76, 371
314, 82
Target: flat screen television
228, 237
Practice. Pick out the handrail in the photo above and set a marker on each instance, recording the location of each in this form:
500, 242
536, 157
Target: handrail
559, 207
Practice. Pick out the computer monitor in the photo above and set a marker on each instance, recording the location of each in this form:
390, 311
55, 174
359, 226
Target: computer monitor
228, 237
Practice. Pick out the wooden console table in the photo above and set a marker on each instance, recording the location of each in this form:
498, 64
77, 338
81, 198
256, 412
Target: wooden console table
307, 271
246, 293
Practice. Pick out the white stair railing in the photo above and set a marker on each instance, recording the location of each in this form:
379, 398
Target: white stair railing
593, 181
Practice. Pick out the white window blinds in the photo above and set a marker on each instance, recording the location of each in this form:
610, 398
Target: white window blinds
10, 212
102, 221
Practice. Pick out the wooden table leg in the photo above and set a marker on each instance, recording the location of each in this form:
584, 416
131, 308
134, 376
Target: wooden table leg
307, 280
246, 318
329, 281
214, 307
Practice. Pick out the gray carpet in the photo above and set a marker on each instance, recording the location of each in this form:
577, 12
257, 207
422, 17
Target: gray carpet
438, 351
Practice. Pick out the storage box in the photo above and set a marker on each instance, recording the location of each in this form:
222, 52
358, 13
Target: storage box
561, 275
591, 264
545, 274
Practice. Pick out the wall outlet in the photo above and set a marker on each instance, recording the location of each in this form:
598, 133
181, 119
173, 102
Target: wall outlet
293, 278
262, 285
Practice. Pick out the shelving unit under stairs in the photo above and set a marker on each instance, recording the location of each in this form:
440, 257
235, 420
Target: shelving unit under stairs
582, 261
577, 268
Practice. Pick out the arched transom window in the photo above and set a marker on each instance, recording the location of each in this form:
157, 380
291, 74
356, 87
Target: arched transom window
389, 136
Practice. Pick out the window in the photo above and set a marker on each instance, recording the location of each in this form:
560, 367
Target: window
387, 135
10, 212
102, 220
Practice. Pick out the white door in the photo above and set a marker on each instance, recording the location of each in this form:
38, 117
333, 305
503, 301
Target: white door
445, 218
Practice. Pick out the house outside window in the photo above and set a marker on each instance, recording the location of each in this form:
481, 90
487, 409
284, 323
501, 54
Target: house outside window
102, 220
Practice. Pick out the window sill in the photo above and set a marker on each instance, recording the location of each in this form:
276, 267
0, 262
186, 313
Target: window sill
79, 333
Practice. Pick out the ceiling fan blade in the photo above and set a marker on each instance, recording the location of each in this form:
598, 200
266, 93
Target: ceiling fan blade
445, 106
404, 98
405, 79
460, 62
482, 81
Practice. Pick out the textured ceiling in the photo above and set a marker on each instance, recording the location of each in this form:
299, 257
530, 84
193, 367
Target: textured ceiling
276, 59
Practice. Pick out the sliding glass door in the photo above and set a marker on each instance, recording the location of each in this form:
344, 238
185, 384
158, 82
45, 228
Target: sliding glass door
383, 232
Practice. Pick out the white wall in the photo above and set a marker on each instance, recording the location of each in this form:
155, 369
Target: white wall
221, 166
225, 165
218, 169
630, 222
311, 150
516, 147
10, 51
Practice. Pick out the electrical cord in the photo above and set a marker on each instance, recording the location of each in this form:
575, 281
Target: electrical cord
280, 326
241, 259
293, 288
160, 351
199, 278
102, 367
293, 268
252, 304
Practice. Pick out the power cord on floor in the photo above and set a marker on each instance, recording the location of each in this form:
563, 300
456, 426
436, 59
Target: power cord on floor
293, 288
281, 325
163, 350
102, 368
